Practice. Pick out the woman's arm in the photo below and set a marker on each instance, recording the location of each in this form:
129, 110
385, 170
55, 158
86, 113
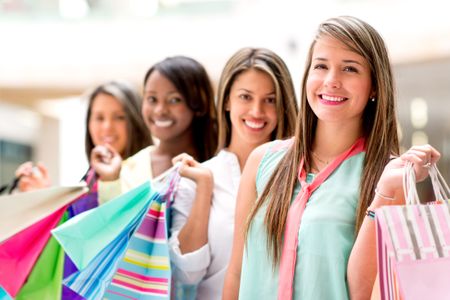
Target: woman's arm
362, 265
194, 234
245, 200
189, 249
189, 267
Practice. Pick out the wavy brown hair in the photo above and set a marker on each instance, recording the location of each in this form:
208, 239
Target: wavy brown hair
266, 61
379, 130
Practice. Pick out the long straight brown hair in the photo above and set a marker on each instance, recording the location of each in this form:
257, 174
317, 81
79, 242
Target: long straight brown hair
379, 130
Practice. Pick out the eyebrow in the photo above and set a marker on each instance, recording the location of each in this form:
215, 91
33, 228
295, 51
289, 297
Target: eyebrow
250, 92
348, 61
154, 92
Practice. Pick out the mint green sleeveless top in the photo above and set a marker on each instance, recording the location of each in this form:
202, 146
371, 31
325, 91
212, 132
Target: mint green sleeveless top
325, 238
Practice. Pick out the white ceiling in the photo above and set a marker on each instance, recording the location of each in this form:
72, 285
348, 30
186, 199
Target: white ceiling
72, 55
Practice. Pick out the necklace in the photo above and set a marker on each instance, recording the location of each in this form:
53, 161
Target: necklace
325, 162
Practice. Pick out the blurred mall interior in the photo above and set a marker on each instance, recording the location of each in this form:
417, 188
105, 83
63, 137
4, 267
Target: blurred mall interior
53, 51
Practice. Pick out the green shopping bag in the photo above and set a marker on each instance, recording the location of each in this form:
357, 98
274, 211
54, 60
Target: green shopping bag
45, 279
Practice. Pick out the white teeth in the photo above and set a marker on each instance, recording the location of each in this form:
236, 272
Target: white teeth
163, 123
331, 98
108, 140
254, 125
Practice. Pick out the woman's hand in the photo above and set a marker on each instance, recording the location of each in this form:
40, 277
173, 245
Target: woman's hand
32, 177
106, 162
192, 169
392, 177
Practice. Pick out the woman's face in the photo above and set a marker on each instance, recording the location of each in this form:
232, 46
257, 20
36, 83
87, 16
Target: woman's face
339, 83
108, 123
252, 108
165, 110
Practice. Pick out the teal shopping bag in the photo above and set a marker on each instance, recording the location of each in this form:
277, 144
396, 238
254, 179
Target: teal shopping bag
91, 281
87, 234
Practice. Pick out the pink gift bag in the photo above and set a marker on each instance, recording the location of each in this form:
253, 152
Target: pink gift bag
413, 243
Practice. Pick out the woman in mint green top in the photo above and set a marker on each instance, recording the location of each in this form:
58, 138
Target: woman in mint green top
328, 215
301, 205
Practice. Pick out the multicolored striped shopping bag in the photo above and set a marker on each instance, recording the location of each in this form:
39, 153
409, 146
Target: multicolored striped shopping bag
413, 243
120, 248
144, 271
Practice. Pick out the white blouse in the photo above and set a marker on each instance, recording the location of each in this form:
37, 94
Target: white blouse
207, 265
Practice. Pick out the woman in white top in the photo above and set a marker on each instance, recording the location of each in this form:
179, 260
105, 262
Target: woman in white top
256, 104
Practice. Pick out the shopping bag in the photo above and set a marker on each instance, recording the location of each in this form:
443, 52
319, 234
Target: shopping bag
4, 295
97, 267
413, 243
45, 279
91, 281
19, 253
85, 202
21, 210
144, 271
87, 234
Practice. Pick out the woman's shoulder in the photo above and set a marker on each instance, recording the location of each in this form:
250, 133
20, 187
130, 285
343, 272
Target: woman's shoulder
275, 148
269, 156
138, 163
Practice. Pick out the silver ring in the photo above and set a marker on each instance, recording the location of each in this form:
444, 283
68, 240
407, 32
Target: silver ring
427, 165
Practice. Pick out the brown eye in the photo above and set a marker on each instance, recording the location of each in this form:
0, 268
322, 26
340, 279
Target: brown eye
245, 97
351, 69
151, 99
319, 67
270, 100
174, 100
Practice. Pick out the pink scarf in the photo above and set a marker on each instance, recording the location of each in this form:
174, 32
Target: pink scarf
289, 252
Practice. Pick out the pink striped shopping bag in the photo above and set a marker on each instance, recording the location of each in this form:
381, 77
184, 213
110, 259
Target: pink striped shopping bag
413, 243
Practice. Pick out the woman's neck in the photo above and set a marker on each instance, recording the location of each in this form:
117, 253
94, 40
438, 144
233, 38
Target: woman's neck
183, 143
330, 141
165, 151
173, 148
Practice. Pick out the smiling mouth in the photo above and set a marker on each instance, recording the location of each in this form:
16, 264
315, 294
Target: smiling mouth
108, 140
163, 123
332, 98
254, 125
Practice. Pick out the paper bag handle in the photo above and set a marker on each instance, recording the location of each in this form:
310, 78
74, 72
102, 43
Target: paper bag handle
440, 187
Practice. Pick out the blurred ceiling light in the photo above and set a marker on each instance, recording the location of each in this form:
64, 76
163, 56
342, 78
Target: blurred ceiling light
419, 138
73, 9
144, 8
419, 113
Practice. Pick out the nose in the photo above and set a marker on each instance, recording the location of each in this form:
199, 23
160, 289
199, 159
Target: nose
107, 123
257, 109
160, 107
332, 80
